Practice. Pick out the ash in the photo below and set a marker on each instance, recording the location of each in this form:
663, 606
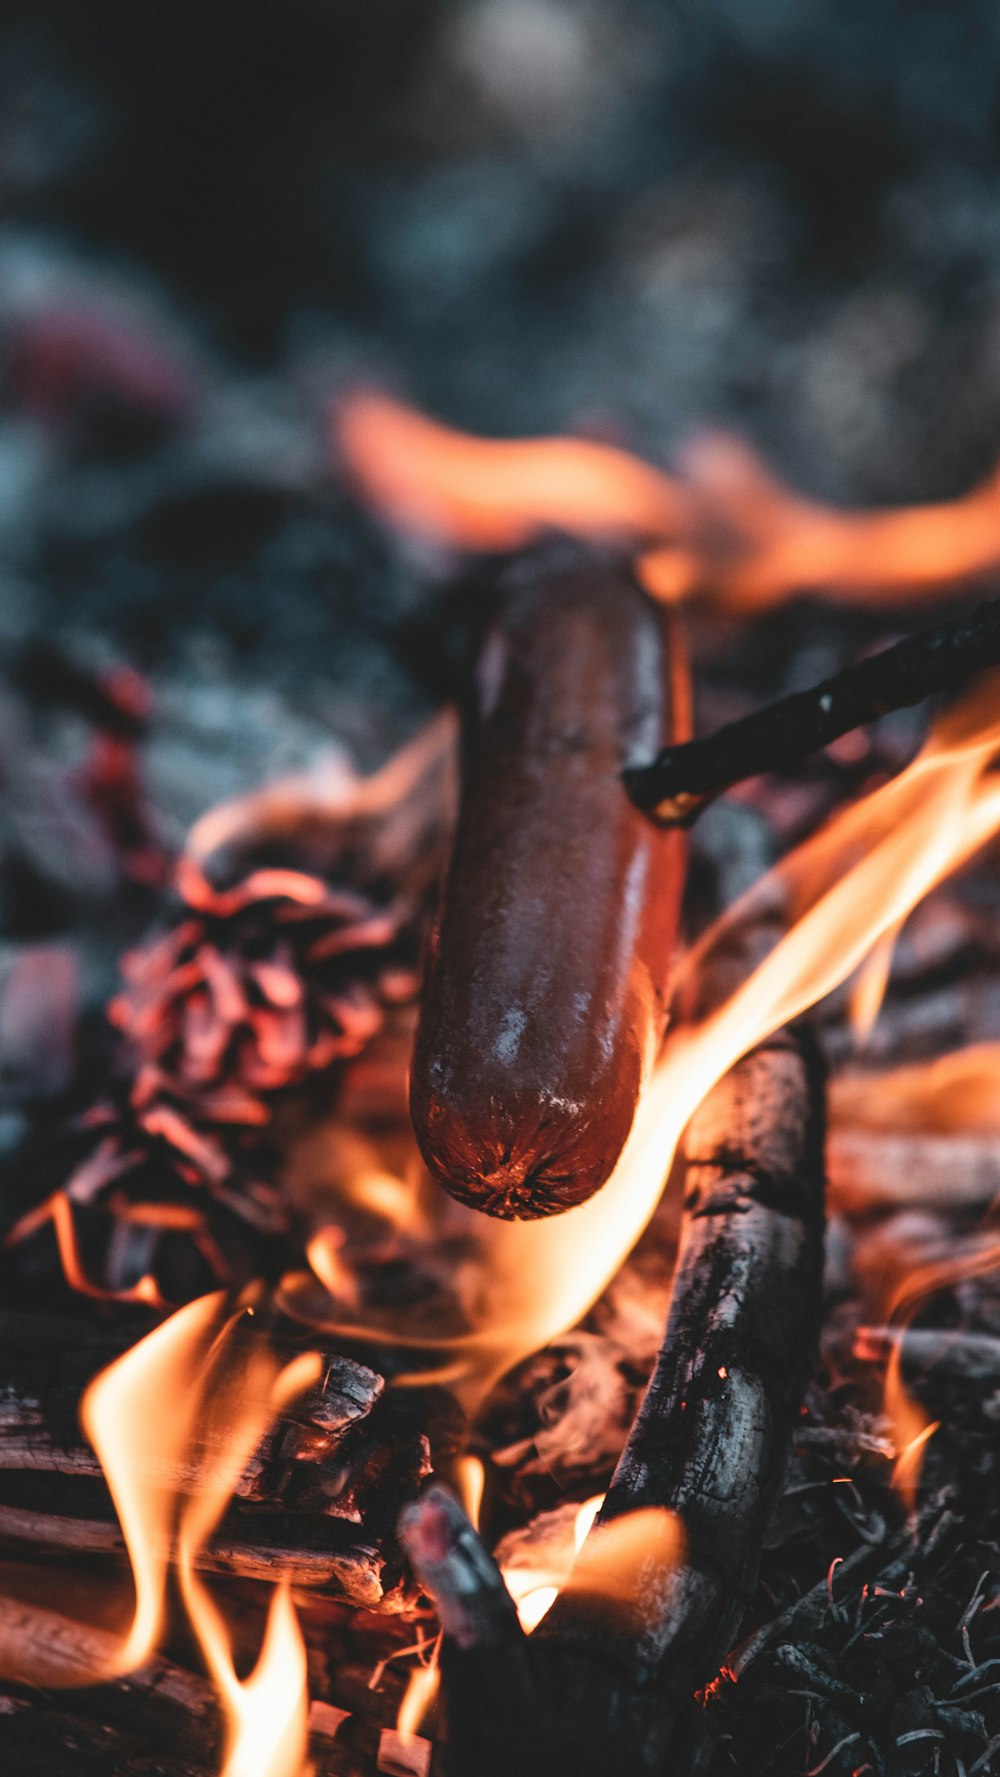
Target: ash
527, 218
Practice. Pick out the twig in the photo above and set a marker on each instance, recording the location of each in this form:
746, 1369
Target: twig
678, 784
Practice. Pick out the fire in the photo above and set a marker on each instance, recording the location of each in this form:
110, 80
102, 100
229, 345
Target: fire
777, 543
845, 889
610, 1560
418, 1699
912, 1428
868, 990
955, 1092
535, 1584
141, 1446
723, 525
478, 493
174, 1423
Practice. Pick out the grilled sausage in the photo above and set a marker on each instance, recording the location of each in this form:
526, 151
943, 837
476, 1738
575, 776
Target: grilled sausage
545, 994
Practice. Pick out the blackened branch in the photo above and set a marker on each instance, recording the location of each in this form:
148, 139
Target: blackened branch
683, 779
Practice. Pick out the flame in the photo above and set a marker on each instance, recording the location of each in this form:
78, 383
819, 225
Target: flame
58, 1209
174, 1423
140, 1446
846, 888
617, 1560
479, 493
868, 989
620, 1559
418, 1699
471, 1479
325, 1255
955, 1092
267, 1713
775, 542
912, 1429
724, 525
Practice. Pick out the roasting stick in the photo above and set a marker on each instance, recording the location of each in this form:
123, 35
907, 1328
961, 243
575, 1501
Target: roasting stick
683, 779
605, 1683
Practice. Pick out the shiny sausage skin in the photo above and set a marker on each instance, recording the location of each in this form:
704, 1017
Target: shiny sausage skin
545, 995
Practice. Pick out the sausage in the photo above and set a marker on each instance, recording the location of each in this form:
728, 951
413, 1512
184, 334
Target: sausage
545, 993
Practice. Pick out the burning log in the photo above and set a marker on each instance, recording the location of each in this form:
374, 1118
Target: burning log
606, 1681
545, 997
317, 1502
679, 783
41, 1647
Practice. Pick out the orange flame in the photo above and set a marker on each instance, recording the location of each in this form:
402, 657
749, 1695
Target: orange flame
174, 1423
851, 884
724, 525
775, 543
912, 1429
418, 1699
955, 1092
141, 1446
479, 493
869, 987
613, 1560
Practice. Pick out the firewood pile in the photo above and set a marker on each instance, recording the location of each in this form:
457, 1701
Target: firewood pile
382, 1293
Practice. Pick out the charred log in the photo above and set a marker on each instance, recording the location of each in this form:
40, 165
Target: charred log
317, 1503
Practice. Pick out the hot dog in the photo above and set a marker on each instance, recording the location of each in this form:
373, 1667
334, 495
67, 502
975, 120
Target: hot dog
546, 983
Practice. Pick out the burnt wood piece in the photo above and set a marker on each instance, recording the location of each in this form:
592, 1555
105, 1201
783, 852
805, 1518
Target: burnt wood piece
675, 786
159, 1716
316, 1503
879, 1169
928, 1354
546, 989
605, 1684
161, 1703
325, 1554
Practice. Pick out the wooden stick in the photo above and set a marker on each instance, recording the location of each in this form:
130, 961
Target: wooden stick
683, 779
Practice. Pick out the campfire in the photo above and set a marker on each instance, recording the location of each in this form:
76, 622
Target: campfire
499, 1165
476, 1232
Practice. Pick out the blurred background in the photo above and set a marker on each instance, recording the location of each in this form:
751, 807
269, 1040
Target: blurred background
540, 212
521, 214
